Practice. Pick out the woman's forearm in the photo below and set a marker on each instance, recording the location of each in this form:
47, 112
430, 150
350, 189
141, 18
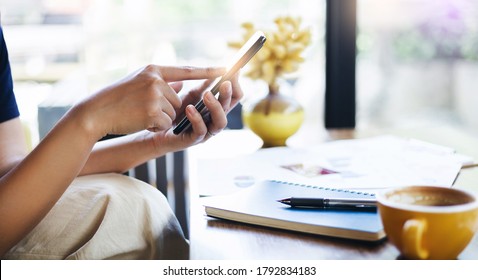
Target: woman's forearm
30, 190
120, 154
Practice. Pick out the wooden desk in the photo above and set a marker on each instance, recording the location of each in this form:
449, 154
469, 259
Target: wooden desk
219, 239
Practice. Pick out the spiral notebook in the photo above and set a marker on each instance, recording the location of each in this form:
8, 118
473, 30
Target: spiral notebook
258, 205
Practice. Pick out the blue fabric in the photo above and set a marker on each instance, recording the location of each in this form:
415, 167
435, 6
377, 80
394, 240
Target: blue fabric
8, 104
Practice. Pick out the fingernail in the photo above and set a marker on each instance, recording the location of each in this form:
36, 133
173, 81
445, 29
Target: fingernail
191, 109
209, 96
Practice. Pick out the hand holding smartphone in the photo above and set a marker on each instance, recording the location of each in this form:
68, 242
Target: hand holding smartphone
248, 50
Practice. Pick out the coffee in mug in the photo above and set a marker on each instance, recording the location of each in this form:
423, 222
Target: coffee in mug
427, 222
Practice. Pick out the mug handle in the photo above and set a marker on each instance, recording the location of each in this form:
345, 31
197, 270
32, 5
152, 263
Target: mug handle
412, 237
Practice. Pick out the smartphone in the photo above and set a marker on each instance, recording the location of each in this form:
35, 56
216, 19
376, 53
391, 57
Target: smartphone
247, 51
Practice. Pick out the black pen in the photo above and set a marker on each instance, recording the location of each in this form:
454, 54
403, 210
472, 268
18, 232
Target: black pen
335, 203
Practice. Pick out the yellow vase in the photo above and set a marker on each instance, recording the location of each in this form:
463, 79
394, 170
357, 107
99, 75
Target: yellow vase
274, 118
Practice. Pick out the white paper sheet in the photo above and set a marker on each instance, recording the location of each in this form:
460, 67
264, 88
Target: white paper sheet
371, 163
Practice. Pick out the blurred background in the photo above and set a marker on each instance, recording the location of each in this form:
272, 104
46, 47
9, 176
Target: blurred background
417, 60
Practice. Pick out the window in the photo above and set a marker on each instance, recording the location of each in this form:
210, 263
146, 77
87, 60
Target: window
417, 63
84, 45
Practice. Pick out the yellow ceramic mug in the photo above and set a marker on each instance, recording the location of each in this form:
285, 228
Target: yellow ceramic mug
426, 222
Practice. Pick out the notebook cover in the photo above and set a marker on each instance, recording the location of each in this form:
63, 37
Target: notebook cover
258, 205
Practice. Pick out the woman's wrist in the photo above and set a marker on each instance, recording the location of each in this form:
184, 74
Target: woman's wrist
86, 122
158, 148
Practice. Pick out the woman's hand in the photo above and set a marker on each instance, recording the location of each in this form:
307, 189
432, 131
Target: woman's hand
123, 153
143, 100
230, 93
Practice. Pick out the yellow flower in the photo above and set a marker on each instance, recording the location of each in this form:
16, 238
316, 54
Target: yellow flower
282, 52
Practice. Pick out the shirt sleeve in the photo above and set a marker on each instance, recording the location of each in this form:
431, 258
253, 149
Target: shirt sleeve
8, 104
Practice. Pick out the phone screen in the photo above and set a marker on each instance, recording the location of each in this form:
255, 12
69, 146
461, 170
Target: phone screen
247, 51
